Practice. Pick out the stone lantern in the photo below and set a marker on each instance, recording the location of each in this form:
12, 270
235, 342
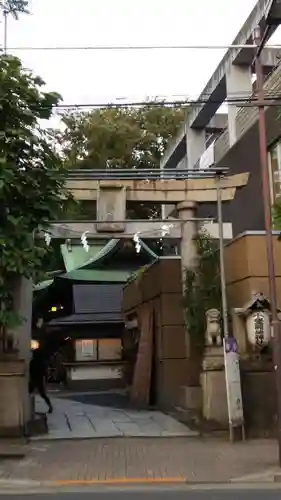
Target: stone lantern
256, 315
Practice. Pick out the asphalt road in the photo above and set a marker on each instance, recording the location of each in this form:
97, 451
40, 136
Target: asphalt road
150, 494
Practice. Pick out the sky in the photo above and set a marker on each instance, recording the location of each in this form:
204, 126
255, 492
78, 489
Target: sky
103, 76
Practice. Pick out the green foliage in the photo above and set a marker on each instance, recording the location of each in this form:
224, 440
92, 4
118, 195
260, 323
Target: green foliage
32, 178
276, 215
14, 7
202, 287
118, 137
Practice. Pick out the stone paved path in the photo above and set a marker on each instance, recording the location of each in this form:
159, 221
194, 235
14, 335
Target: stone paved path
196, 460
77, 420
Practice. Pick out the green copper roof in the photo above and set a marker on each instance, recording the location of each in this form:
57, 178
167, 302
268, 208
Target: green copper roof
108, 250
105, 251
42, 285
89, 266
77, 256
95, 270
99, 275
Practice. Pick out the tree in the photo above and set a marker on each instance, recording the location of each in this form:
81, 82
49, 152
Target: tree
119, 137
32, 179
276, 213
14, 7
202, 286
202, 292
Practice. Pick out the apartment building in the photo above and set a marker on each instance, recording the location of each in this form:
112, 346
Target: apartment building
232, 140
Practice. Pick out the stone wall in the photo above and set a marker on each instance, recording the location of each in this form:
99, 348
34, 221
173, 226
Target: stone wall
246, 267
13, 419
178, 365
247, 274
160, 285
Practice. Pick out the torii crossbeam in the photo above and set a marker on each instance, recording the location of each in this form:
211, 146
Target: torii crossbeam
111, 197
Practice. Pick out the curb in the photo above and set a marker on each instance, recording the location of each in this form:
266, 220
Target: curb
123, 481
30, 485
12, 456
270, 476
47, 438
21, 483
146, 484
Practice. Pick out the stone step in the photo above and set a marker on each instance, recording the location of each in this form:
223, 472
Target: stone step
13, 448
38, 425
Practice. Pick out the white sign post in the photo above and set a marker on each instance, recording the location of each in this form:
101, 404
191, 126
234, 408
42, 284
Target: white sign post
233, 386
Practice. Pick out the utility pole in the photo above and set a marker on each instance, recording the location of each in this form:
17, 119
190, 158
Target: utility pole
276, 330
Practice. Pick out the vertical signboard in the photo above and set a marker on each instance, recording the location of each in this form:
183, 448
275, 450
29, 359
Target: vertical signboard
233, 385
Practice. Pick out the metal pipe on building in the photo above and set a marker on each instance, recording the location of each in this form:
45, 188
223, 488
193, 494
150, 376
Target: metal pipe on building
276, 326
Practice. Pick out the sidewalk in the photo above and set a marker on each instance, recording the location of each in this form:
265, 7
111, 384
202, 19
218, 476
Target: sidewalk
190, 460
84, 419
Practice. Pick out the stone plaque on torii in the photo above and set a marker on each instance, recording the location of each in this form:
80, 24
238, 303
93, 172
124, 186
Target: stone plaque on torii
111, 197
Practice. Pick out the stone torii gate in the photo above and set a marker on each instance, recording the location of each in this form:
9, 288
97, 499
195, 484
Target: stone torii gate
111, 197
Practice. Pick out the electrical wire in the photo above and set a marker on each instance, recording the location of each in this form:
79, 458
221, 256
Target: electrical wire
269, 101
251, 102
138, 47
240, 98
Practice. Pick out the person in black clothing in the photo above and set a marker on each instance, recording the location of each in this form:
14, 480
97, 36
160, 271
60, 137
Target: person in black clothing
37, 375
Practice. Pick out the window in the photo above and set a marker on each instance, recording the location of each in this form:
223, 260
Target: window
86, 350
109, 349
275, 171
98, 349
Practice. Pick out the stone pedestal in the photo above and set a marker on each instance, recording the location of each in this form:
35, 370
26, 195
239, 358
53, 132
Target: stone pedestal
214, 407
22, 334
259, 397
13, 409
191, 398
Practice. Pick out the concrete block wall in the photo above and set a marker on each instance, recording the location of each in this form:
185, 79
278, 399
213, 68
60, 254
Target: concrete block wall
160, 286
246, 267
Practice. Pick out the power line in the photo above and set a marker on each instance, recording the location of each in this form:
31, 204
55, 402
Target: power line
137, 47
239, 98
251, 102
272, 98
268, 102
185, 98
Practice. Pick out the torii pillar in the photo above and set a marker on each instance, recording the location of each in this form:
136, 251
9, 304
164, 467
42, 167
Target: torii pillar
188, 250
187, 211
